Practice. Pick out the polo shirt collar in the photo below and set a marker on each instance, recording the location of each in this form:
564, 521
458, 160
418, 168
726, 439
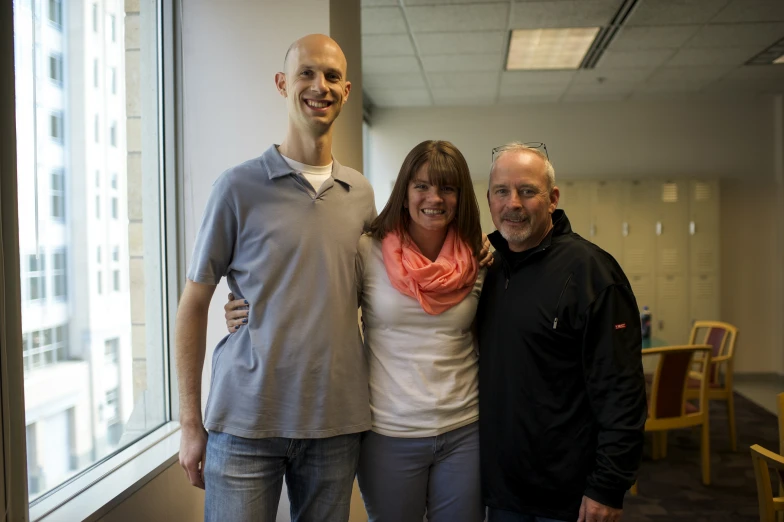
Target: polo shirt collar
277, 166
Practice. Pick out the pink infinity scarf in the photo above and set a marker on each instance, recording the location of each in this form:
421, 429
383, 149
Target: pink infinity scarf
437, 285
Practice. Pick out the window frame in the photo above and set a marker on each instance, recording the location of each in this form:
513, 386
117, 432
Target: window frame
106, 484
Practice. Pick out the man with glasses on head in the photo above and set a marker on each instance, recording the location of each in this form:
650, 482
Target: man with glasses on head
562, 397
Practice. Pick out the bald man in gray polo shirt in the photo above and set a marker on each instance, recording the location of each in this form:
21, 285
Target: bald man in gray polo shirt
289, 393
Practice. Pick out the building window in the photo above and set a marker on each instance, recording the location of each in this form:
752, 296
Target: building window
97, 129
113, 74
59, 275
56, 68
96, 71
58, 195
112, 416
45, 347
95, 18
111, 351
36, 277
56, 126
116, 254
56, 12
113, 134
115, 210
114, 180
112, 28
98, 255
97, 207
97, 178
99, 282
116, 280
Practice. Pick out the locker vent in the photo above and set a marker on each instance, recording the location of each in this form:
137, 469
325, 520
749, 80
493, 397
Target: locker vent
703, 287
702, 192
704, 259
670, 193
635, 258
670, 289
669, 258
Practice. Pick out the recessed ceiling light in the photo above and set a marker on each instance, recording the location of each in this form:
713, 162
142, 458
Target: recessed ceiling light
779, 60
549, 48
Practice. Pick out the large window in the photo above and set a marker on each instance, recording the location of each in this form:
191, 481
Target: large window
94, 327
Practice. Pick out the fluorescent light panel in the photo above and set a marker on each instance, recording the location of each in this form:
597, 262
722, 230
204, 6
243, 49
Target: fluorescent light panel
533, 49
779, 60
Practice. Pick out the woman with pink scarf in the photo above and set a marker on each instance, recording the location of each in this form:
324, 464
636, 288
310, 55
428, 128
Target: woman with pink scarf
418, 281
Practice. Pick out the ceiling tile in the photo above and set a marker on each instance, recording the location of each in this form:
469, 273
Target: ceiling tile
512, 78
451, 18
399, 97
732, 56
751, 11
758, 72
463, 81
733, 35
383, 20
637, 38
634, 59
581, 97
466, 62
532, 90
375, 3
670, 87
674, 12
463, 99
729, 85
571, 13
387, 45
389, 64
394, 81
537, 98
607, 88
686, 75
461, 43
608, 76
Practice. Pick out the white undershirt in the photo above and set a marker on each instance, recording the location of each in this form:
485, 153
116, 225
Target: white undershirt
316, 176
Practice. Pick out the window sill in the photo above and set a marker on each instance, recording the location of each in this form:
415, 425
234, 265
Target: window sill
97, 491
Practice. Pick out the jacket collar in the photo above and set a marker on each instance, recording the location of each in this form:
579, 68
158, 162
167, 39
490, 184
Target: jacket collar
277, 167
561, 227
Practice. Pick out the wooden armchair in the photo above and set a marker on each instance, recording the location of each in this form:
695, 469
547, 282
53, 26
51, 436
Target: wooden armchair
721, 337
668, 407
763, 460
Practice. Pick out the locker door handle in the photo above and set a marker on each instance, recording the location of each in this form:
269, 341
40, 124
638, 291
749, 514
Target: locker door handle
692, 228
593, 230
625, 229
658, 228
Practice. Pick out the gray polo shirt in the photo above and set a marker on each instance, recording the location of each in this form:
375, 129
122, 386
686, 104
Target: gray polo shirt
297, 369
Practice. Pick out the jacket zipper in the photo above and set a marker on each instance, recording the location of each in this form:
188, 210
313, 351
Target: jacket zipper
558, 304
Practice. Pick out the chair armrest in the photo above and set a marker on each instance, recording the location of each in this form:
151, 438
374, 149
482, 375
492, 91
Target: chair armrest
720, 359
774, 460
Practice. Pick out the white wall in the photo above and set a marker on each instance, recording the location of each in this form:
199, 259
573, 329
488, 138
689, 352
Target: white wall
735, 141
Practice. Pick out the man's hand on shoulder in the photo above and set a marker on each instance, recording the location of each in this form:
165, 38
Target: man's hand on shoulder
193, 454
592, 511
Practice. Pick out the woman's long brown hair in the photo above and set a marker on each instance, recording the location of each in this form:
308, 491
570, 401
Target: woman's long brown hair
446, 167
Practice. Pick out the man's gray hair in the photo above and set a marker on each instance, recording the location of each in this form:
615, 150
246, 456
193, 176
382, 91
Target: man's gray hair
516, 146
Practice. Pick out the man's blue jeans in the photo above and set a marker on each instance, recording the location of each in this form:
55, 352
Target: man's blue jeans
244, 477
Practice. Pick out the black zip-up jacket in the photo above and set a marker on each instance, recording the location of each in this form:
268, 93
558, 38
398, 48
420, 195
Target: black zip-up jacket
561, 388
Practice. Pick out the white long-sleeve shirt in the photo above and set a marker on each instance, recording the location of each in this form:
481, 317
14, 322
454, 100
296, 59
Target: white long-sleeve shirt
423, 368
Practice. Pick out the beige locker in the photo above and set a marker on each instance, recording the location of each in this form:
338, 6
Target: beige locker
704, 227
644, 290
576, 202
671, 321
704, 298
672, 231
638, 228
606, 228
